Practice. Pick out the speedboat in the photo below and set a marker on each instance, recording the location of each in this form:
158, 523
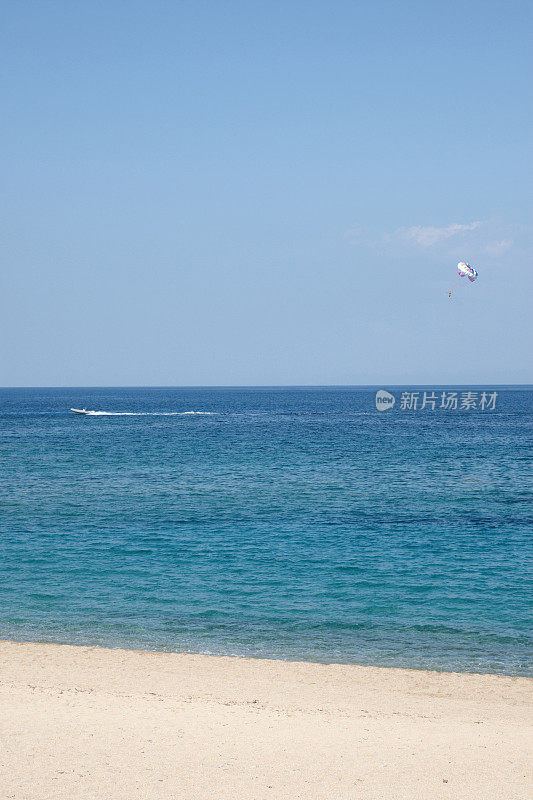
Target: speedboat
80, 411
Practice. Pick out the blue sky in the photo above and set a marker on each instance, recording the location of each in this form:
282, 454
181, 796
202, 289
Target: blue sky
203, 193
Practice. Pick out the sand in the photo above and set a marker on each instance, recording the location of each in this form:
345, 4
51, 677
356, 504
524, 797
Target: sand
94, 724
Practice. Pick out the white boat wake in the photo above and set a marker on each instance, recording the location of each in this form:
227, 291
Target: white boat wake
141, 413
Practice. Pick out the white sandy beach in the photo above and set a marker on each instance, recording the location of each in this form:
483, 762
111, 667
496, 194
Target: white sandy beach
84, 723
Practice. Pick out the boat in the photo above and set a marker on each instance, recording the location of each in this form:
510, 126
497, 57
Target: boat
80, 411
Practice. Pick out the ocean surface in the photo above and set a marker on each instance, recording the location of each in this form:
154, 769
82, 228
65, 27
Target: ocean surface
288, 523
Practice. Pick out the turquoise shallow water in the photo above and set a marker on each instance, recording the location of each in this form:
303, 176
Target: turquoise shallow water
287, 523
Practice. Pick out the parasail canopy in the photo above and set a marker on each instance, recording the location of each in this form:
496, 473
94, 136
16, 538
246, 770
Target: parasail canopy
466, 271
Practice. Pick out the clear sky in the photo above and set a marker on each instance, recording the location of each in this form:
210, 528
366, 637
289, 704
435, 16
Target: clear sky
208, 192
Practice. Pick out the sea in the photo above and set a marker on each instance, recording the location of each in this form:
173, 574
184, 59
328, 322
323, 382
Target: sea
301, 523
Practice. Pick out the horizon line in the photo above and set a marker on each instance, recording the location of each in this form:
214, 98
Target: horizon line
278, 386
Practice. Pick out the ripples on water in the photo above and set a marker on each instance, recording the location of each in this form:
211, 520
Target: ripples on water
288, 523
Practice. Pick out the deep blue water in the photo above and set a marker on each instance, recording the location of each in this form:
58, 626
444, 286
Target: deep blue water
287, 523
